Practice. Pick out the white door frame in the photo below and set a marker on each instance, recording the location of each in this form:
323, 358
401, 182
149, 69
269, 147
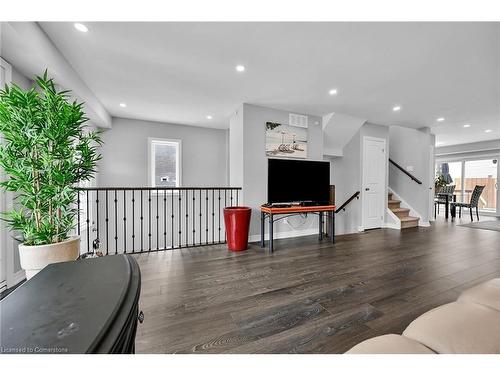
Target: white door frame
363, 200
432, 176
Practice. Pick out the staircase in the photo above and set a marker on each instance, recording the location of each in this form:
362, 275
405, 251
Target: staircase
403, 214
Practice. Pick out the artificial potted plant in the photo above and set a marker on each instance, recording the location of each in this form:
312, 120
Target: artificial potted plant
46, 150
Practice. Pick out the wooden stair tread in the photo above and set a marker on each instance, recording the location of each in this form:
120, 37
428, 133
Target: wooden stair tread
393, 201
400, 209
409, 218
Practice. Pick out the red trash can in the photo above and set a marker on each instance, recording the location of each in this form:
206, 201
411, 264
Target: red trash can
237, 220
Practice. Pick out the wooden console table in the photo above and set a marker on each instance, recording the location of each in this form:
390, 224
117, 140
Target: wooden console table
271, 212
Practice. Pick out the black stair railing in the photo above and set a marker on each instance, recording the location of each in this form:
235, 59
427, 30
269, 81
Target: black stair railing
143, 219
344, 205
405, 172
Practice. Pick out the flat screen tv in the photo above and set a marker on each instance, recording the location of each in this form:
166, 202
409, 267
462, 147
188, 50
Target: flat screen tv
303, 181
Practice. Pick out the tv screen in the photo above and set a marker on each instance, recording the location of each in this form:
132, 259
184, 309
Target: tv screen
298, 181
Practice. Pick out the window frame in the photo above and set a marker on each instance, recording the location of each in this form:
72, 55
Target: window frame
151, 165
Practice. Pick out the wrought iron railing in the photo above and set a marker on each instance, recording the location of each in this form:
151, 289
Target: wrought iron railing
142, 219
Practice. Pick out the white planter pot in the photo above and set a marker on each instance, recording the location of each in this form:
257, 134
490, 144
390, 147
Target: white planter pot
35, 258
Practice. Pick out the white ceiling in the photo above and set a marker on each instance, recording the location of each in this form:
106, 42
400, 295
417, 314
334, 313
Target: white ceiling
182, 72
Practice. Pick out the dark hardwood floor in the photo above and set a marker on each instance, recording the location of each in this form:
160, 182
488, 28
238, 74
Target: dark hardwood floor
307, 297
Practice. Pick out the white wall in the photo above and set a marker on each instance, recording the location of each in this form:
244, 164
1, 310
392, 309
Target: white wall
125, 153
410, 148
347, 177
249, 153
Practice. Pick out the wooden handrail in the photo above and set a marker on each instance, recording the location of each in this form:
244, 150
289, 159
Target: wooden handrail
342, 207
405, 172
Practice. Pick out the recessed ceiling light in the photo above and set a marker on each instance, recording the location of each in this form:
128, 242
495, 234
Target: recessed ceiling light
81, 27
240, 68
488, 131
209, 117
440, 119
123, 105
466, 126
396, 108
439, 143
333, 92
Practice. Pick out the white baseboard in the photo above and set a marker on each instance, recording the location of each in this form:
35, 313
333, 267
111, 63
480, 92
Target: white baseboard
287, 234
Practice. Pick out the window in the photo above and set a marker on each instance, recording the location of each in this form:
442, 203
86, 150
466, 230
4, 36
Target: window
165, 162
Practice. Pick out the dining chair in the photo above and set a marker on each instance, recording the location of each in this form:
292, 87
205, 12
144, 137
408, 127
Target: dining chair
473, 203
441, 199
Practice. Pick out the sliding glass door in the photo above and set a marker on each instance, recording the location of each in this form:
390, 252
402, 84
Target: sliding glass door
466, 174
484, 173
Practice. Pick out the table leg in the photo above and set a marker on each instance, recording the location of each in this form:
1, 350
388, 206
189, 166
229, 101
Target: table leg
262, 228
332, 225
271, 222
320, 219
447, 204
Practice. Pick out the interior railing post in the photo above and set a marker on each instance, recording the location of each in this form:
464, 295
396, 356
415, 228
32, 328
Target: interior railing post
200, 219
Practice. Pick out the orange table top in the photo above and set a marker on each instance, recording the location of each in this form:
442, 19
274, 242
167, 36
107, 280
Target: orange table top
296, 209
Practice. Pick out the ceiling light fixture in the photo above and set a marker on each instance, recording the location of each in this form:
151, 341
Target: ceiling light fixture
396, 108
488, 131
209, 117
466, 126
440, 119
333, 92
123, 105
81, 27
439, 143
240, 68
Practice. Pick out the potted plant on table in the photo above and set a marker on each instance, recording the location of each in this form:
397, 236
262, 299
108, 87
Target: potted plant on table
46, 150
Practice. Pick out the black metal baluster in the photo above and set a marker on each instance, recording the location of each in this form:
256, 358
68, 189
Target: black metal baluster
200, 218
133, 221
142, 223
88, 224
149, 219
124, 221
237, 191
213, 217
107, 223
180, 217
116, 225
194, 218
78, 210
206, 216
219, 215
231, 198
225, 205
187, 217
97, 211
165, 219
172, 198
157, 221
